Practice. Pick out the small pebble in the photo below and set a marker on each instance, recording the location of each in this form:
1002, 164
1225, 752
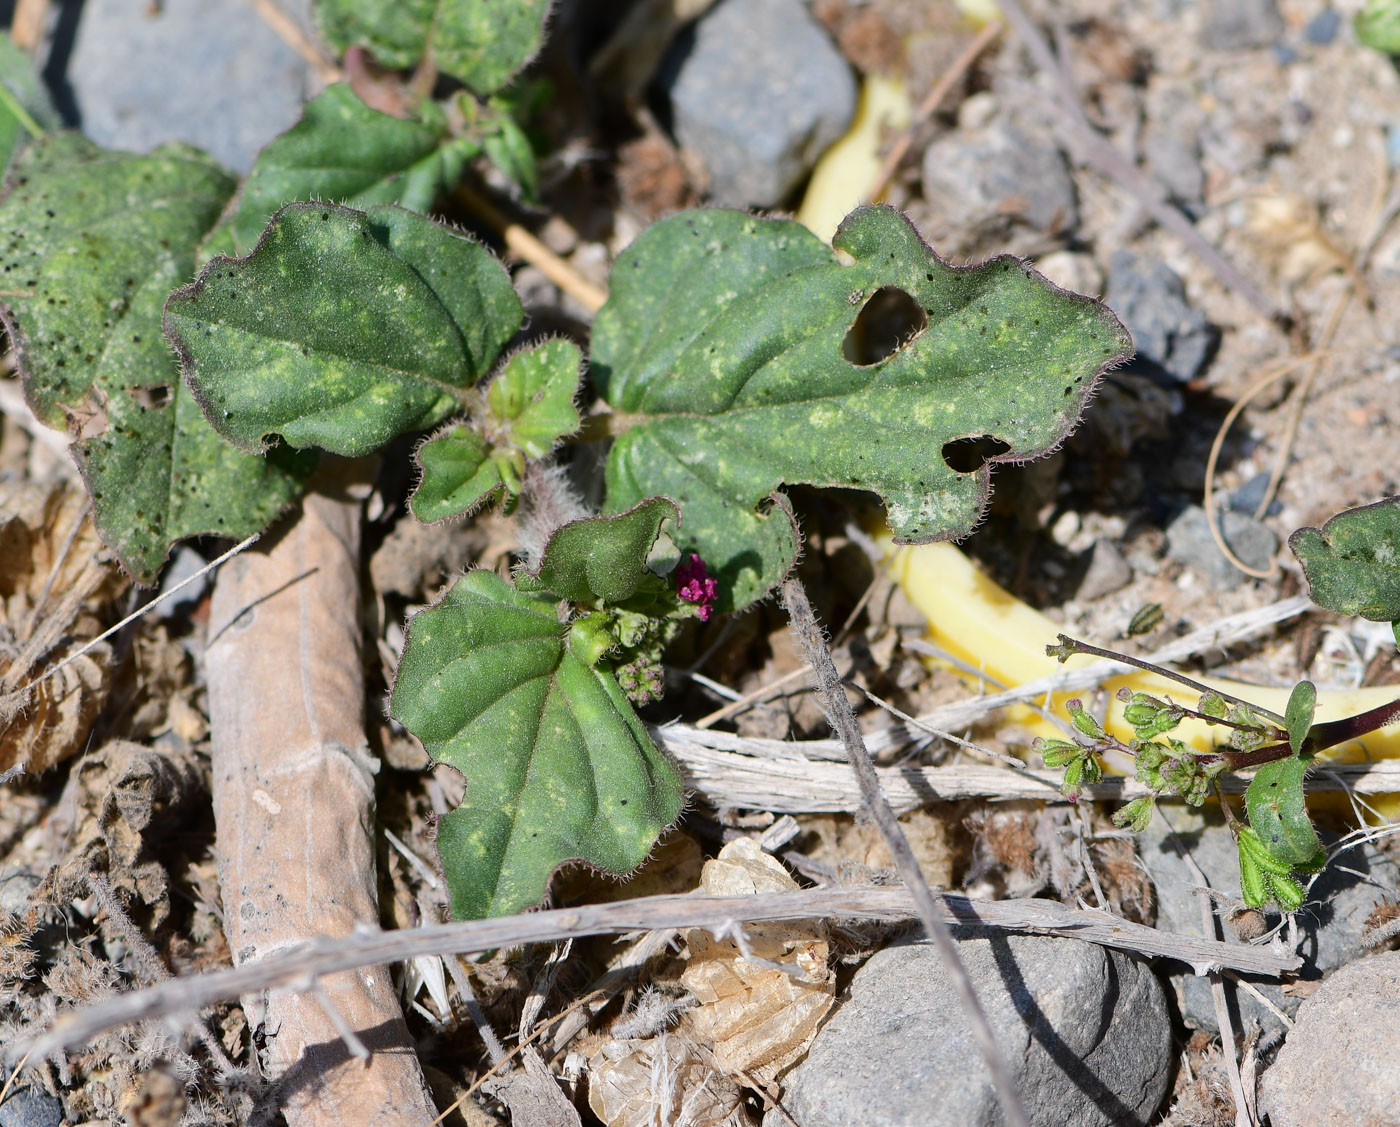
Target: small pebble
1323, 27
1173, 339
1084, 1030
1338, 1067
31, 1107
759, 91
1189, 542
1235, 25
1107, 571
1000, 174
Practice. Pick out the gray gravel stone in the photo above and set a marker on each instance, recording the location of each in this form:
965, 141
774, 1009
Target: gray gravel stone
998, 174
1172, 339
1332, 919
1233, 25
31, 1107
1084, 1030
1107, 572
1189, 542
759, 91
214, 75
1338, 1067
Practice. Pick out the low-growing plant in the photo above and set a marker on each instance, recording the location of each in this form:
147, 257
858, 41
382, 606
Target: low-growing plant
724, 367
1352, 564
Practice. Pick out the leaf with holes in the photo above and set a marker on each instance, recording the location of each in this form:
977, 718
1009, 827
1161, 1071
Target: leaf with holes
481, 42
1352, 562
724, 347
344, 151
558, 766
94, 242
343, 329
527, 408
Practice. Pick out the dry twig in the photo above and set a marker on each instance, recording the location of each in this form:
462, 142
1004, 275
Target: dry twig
842, 719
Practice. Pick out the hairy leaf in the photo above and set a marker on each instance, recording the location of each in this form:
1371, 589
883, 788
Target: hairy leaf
724, 345
1278, 812
603, 558
344, 151
1298, 716
1352, 562
481, 42
1378, 25
527, 408
343, 329
93, 243
558, 766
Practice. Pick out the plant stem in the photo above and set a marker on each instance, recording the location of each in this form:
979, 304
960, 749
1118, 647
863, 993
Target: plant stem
1179, 678
1322, 736
838, 710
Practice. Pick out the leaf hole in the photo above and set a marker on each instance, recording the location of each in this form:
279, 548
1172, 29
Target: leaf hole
887, 322
968, 455
152, 398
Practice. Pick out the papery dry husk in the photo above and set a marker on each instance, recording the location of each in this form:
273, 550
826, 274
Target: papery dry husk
54, 579
756, 1020
662, 1079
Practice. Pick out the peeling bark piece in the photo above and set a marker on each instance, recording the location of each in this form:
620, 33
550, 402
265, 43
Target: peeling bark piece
293, 784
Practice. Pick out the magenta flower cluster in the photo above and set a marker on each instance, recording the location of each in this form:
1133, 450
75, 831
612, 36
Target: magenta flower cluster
694, 585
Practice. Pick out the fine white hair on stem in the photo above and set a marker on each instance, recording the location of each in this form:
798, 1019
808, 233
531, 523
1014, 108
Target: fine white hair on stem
547, 501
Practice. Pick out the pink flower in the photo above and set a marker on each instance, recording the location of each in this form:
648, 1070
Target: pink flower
694, 585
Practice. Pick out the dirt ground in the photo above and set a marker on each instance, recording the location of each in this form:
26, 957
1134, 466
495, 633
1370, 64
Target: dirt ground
1296, 149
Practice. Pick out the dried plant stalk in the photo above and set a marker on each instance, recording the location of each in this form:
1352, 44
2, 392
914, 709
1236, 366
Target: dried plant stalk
293, 786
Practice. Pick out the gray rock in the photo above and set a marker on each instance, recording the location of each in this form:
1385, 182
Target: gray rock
1332, 919
1189, 542
1107, 572
1323, 27
1338, 1066
1233, 25
759, 91
31, 1107
996, 175
1247, 497
214, 75
1172, 339
1084, 1030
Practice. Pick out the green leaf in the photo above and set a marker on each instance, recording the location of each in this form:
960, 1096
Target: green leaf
1278, 812
1262, 878
1298, 716
25, 107
343, 329
344, 151
482, 42
603, 558
527, 408
558, 766
94, 242
1378, 25
1352, 562
722, 346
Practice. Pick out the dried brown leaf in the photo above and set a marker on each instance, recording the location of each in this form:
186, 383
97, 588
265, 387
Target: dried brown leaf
755, 1017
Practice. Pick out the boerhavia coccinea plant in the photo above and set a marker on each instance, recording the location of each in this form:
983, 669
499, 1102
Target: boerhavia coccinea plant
1352, 564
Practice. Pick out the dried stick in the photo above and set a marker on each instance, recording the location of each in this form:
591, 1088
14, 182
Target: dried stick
792, 784
1094, 149
520, 242
842, 719
27, 24
294, 809
929, 106
289, 31
293, 969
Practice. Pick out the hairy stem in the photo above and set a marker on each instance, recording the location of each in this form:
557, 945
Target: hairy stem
1073, 645
1334, 732
838, 710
